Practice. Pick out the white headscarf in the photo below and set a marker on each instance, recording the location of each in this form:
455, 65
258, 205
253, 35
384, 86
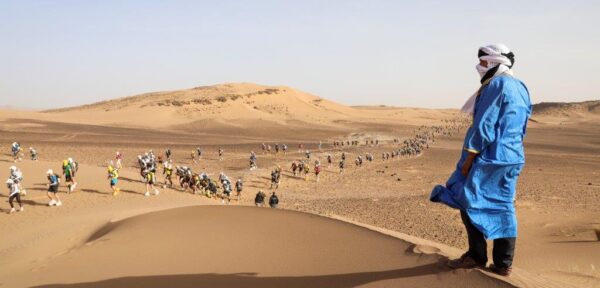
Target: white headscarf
495, 55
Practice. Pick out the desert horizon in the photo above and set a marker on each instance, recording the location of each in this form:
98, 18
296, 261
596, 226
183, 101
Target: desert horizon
542, 103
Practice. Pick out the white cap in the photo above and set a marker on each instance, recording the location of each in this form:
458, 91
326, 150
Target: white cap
13, 168
49, 172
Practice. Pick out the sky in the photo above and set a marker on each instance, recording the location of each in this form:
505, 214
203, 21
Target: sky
399, 53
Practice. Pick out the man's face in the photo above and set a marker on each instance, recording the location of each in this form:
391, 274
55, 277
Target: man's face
483, 63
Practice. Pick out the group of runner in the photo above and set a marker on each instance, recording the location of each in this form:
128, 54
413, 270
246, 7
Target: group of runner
222, 188
266, 148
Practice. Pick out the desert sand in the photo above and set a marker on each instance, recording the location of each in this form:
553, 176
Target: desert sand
373, 226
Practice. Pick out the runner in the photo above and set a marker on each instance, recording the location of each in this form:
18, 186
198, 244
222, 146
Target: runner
168, 173
33, 153
239, 185
69, 173
259, 200
221, 152
14, 193
294, 168
16, 150
193, 154
54, 181
149, 174
273, 200
119, 160
113, 176
17, 176
317, 169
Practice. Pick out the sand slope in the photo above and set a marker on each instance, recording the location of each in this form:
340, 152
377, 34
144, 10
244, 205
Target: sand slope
216, 246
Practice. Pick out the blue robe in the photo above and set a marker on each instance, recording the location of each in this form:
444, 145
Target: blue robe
487, 193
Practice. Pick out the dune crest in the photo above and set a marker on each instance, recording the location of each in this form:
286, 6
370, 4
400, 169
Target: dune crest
279, 249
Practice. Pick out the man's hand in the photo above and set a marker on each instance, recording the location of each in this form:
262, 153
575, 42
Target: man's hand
466, 167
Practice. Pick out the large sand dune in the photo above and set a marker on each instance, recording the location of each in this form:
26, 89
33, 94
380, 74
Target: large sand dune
235, 106
216, 246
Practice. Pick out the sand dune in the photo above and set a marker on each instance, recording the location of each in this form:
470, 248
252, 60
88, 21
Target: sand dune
216, 246
236, 105
226, 102
562, 112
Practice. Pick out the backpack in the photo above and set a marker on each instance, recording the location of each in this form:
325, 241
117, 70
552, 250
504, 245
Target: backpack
56, 177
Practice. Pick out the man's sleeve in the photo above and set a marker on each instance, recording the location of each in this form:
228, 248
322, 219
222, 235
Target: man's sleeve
483, 132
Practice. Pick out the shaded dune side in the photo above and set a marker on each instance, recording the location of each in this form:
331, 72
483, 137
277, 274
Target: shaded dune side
216, 246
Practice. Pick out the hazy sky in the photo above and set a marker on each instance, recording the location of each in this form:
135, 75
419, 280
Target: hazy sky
404, 53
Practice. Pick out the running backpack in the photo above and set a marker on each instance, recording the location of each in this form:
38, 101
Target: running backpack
56, 177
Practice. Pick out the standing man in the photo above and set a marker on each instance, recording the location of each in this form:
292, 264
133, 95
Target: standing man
484, 183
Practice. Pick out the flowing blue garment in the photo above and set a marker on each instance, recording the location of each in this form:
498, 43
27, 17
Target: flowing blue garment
487, 193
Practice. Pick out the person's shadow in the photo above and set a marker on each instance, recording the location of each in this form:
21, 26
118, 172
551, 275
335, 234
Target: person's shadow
241, 280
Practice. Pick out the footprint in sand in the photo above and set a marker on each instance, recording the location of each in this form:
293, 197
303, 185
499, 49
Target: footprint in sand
425, 249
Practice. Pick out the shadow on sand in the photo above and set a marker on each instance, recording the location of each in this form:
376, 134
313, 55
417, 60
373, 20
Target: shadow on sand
130, 180
95, 191
252, 280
